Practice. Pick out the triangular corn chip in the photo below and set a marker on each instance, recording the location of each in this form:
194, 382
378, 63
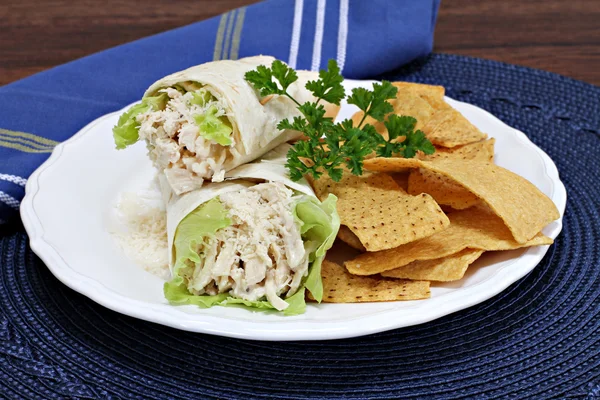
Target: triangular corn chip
445, 269
474, 228
341, 287
379, 212
522, 206
348, 237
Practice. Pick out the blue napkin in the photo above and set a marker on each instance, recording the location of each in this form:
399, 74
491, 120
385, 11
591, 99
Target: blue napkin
365, 37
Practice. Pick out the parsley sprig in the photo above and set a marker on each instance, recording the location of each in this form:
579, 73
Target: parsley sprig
329, 146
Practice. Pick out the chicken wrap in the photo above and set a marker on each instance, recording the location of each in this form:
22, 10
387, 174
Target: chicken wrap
256, 239
204, 121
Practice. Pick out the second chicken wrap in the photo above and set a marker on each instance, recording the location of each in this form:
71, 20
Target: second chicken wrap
256, 239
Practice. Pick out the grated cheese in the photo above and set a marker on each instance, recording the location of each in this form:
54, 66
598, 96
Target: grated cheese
142, 231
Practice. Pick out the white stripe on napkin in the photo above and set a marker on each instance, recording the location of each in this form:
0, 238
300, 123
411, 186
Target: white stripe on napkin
297, 27
318, 42
342, 34
9, 200
13, 179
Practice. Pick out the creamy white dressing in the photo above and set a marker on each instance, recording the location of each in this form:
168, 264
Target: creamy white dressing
176, 146
261, 254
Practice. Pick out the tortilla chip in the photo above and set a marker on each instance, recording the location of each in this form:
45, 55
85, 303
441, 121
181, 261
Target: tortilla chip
341, 287
475, 228
448, 128
443, 125
523, 207
444, 190
446, 269
407, 102
519, 203
348, 237
379, 212
478, 151
392, 164
401, 178
434, 95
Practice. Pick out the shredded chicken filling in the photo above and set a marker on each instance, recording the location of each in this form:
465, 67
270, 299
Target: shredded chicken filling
175, 144
260, 255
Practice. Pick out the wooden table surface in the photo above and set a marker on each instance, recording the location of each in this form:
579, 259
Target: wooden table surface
561, 36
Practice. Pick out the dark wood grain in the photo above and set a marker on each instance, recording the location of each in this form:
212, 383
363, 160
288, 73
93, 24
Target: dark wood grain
561, 36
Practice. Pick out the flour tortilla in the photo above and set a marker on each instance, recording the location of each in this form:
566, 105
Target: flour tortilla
254, 124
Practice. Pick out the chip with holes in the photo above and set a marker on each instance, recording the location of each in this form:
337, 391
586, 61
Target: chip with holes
392, 164
443, 189
449, 128
443, 125
341, 287
409, 103
475, 228
445, 269
478, 151
434, 95
401, 179
523, 207
379, 212
348, 237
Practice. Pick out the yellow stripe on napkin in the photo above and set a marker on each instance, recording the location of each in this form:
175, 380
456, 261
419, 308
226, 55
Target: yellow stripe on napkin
219, 38
21, 147
228, 33
237, 33
28, 136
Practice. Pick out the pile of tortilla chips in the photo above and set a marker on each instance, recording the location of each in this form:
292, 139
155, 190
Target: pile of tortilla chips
426, 219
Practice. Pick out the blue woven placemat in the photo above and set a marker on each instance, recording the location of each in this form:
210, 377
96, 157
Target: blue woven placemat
538, 339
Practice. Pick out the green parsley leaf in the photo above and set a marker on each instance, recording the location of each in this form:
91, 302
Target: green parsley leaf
355, 145
335, 174
298, 124
329, 147
416, 141
262, 79
361, 98
382, 92
266, 79
284, 74
314, 114
398, 126
329, 85
296, 167
402, 127
374, 103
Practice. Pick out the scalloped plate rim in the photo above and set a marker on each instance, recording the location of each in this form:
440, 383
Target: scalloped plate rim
285, 329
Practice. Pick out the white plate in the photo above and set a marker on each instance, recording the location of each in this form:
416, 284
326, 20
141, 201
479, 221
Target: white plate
69, 198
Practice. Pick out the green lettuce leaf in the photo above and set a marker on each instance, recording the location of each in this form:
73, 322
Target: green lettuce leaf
178, 294
158, 102
319, 225
204, 221
126, 132
297, 304
217, 129
201, 97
